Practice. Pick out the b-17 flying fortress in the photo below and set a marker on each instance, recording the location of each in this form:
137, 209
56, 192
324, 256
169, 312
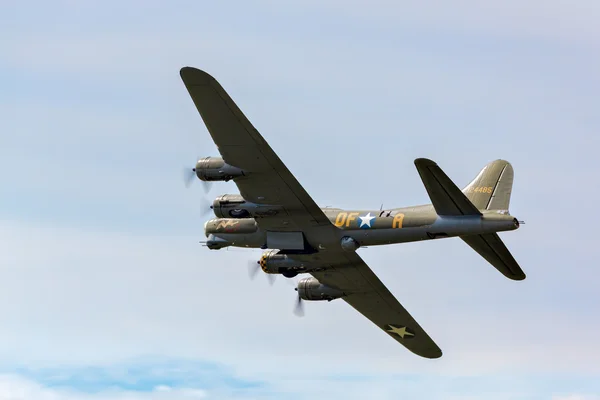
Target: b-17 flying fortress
273, 212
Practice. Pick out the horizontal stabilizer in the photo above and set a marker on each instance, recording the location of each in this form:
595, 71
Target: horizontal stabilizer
491, 247
446, 197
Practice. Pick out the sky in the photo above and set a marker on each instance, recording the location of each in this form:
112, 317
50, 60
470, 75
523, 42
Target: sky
105, 292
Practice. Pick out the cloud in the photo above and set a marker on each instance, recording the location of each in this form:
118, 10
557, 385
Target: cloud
158, 379
17, 388
139, 379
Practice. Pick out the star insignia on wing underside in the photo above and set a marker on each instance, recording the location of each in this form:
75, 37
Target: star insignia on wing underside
366, 221
401, 331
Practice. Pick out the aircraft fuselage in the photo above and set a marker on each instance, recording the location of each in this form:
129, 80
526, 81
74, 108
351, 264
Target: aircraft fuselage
369, 228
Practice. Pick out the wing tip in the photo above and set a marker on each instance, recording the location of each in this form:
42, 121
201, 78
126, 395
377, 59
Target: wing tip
195, 76
431, 353
518, 277
424, 162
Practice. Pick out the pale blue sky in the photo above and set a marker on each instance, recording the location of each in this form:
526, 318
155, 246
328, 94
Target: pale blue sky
106, 292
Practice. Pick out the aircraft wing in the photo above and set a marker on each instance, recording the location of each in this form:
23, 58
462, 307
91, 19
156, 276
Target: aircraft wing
369, 296
268, 180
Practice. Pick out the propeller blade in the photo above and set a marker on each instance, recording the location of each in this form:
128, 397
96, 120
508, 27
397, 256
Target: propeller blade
205, 206
207, 186
188, 176
253, 267
299, 307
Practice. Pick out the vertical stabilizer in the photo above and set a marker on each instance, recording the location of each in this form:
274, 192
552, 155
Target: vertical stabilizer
491, 188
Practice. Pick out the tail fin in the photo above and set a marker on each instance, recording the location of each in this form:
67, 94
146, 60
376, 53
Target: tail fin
491, 189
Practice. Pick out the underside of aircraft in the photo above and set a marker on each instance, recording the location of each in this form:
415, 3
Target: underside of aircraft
274, 212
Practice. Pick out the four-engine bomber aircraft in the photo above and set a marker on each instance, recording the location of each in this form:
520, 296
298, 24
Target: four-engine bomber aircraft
274, 212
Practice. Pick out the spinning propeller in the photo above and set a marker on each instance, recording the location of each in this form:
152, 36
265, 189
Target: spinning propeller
205, 204
299, 304
299, 307
188, 176
254, 267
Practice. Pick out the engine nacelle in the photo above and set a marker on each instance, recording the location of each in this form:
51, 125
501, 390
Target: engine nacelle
272, 262
234, 206
215, 169
218, 226
312, 289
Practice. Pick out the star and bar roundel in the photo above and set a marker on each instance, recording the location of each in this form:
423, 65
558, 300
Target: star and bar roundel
399, 330
366, 221
345, 219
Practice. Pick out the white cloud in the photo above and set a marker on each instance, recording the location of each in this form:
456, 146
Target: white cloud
15, 387
18, 388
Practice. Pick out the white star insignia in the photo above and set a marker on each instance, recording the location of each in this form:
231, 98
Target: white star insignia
366, 221
403, 331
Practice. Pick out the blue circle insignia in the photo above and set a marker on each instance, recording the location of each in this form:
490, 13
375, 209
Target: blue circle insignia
366, 221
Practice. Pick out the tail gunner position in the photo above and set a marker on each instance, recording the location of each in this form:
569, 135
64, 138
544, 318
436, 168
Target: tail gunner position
274, 212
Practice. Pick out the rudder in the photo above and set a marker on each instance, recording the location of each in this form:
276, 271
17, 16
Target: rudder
492, 187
